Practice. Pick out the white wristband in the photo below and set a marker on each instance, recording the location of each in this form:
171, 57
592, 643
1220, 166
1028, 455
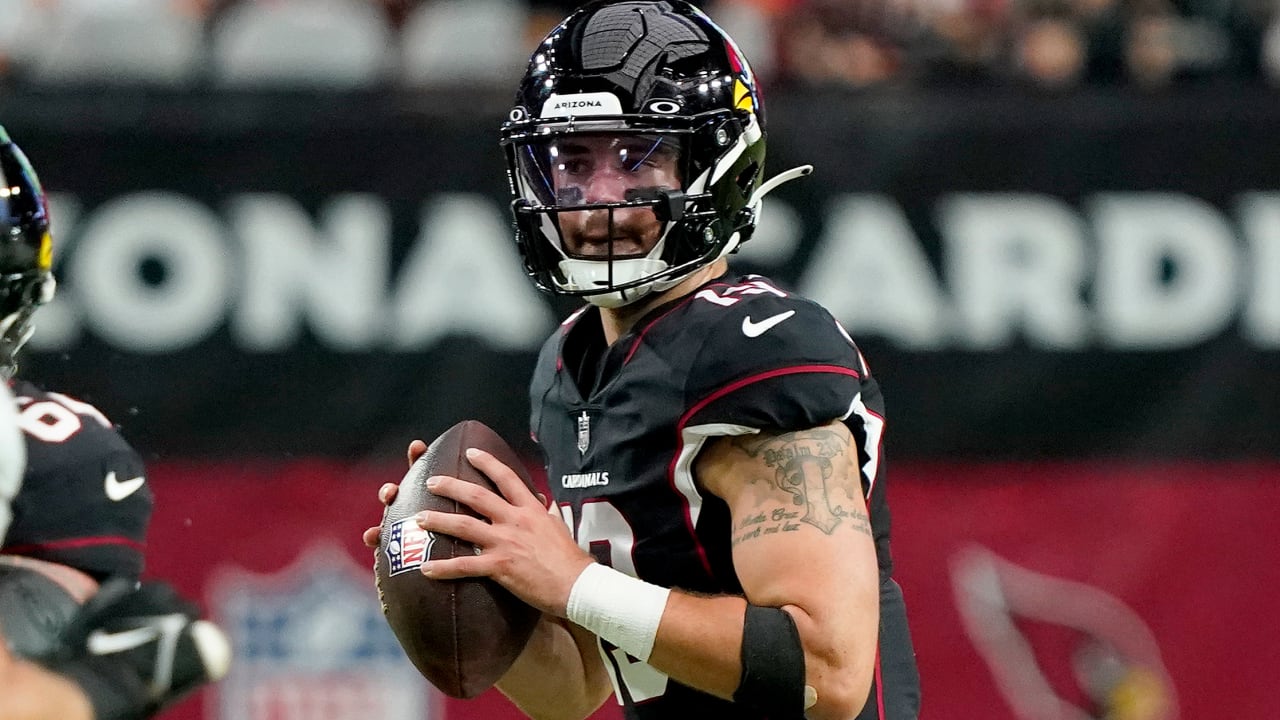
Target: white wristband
617, 607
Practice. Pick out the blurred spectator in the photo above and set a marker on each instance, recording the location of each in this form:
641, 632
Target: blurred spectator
396, 10
840, 42
1052, 51
967, 42
1151, 56
854, 43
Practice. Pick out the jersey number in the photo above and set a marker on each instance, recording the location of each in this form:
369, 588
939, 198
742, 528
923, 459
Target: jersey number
56, 419
606, 534
729, 296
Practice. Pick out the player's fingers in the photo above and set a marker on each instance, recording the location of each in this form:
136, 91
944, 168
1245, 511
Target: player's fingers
459, 567
370, 536
387, 493
416, 448
476, 497
463, 527
508, 482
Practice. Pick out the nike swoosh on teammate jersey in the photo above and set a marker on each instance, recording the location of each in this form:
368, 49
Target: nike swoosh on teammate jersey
756, 329
118, 490
101, 642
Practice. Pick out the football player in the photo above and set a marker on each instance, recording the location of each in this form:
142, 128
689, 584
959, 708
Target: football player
712, 441
73, 510
83, 510
26, 691
130, 651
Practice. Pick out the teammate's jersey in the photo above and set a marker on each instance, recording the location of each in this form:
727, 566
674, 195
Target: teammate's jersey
84, 500
620, 428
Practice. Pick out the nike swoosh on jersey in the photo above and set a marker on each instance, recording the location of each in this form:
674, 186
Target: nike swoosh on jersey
756, 329
101, 642
118, 490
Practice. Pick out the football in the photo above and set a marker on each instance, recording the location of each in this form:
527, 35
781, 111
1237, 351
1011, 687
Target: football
462, 635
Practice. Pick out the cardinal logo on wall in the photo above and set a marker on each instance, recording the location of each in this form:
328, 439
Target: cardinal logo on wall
1059, 649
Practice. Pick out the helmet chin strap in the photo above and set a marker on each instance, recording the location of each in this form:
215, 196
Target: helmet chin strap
772, 183
587, 274
757, 198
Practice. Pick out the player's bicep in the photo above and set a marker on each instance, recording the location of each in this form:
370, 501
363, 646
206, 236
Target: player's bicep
801, 535
795, 487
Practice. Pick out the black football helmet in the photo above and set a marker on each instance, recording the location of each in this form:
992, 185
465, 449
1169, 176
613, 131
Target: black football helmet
655, 77
26, 251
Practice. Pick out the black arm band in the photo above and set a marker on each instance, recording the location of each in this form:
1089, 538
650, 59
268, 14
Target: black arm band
772, 664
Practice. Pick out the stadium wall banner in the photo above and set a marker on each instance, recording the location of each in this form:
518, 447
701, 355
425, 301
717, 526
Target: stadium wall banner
1098, 590
1085, 275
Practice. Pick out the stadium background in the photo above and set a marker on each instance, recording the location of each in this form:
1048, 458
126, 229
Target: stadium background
1053, 226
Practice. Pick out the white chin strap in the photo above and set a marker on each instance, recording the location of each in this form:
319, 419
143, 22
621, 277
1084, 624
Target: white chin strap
588, 274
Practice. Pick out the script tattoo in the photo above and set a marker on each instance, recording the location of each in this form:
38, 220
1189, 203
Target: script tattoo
818, 469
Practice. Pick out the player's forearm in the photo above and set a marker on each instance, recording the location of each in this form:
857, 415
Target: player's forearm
699, 643
559, 676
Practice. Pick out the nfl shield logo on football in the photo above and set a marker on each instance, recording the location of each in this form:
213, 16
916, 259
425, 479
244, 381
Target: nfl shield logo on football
584, 432
311, 644
407, 546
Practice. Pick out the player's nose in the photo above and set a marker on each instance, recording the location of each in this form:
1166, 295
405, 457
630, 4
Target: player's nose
605, 186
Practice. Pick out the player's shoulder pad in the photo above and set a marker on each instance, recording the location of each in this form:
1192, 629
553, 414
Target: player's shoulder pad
53, 418
754, 326
767, 358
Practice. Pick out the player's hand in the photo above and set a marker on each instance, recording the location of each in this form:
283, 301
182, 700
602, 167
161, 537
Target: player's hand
522, 546
387, 493
135, 648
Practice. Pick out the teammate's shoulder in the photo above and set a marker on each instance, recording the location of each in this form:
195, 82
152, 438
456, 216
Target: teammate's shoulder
51, 417
28, 393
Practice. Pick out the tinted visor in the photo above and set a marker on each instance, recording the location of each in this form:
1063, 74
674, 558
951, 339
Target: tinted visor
605, 169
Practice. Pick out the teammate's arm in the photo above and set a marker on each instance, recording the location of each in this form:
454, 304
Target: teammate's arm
29, 692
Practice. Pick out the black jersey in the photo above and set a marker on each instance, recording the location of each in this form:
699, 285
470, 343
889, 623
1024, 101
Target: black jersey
620, 428
84, 500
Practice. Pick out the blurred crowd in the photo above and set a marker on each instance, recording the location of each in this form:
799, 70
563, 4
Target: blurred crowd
1046, 44
1042, 43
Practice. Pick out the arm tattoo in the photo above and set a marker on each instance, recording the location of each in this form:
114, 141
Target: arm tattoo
820, 473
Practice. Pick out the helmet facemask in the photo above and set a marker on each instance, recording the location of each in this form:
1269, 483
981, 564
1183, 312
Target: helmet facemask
20, 295
615, 208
